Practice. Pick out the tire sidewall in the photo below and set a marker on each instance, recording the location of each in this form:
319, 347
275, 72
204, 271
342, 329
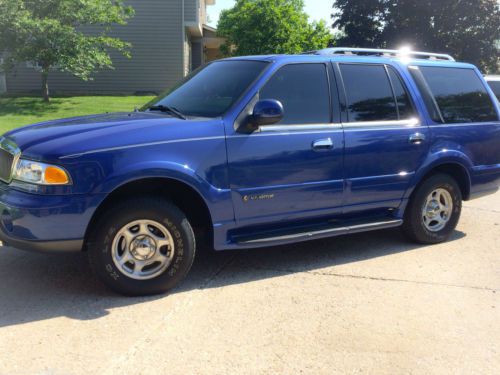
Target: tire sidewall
184, 249
436, 182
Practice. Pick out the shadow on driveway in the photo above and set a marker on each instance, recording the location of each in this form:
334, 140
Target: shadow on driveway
35, 287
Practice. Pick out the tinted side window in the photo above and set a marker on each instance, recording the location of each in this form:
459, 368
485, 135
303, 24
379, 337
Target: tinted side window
495, 86
459, 94
369, 93
303, 90
405, 107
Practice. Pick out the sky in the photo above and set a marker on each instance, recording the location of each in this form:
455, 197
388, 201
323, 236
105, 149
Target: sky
316, 9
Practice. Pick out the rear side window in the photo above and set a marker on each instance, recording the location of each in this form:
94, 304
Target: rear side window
304, 92
459, 94
370, 95
404, 106
495, 86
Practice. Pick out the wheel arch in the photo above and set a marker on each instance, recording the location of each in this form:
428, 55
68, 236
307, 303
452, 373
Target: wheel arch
188, 199
454, 168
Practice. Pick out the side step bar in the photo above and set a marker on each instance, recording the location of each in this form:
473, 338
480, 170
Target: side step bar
319, 233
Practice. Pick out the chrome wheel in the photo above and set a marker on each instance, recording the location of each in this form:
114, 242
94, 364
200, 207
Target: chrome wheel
143, 249
437, 210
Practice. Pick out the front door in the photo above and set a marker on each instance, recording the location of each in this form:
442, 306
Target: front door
293, 169
385, 140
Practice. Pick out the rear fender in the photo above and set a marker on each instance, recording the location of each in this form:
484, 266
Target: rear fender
435, 160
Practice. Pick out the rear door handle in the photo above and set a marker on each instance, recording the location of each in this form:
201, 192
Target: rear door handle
322, 144
416, 139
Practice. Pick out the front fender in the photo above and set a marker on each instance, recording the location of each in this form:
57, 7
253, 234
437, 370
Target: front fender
217, 200
157, 169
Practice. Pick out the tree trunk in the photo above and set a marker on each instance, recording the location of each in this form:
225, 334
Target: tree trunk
45, 85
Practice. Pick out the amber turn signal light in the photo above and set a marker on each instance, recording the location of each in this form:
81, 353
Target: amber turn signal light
55, 175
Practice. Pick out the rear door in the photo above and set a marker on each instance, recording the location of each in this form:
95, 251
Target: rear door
293, 169
385, 140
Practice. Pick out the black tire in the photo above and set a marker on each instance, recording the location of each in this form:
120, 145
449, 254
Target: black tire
414, 226
157, 210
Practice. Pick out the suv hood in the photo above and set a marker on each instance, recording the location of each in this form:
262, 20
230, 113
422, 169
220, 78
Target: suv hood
54, 139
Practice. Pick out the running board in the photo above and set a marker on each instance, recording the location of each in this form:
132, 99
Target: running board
318, 233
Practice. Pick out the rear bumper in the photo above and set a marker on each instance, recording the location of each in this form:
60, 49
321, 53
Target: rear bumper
45, 223
481, 193
485, 180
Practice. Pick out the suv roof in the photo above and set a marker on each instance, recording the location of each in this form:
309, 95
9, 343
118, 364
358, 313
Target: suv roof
367, 55
402, 53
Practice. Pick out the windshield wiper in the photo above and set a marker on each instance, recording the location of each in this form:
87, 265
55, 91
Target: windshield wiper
166, 108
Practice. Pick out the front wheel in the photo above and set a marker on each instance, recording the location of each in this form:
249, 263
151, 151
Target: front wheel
142, 246
434, 210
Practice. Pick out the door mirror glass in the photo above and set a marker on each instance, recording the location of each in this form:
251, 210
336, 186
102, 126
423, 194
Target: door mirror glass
266, 112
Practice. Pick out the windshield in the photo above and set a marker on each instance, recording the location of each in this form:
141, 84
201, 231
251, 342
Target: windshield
212, 90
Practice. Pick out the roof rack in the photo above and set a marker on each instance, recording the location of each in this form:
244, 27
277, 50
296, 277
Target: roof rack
381, 52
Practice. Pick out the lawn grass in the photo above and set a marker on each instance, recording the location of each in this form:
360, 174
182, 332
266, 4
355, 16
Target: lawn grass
19, 111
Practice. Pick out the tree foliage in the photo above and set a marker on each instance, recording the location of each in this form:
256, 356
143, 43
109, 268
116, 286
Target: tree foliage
257, 27
468, 29
49, 34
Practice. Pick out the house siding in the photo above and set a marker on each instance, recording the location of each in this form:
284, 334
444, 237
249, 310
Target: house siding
158, 53
191, 11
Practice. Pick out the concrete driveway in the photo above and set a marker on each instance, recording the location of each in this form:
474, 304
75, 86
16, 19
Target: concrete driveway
367, 303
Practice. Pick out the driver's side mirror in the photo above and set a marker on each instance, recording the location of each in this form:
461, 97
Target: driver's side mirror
265, 112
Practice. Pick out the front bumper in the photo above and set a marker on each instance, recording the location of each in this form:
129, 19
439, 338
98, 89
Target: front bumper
45, 223
62, 246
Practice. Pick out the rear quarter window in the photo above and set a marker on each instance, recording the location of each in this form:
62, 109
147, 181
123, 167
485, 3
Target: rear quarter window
495, 86
459, 94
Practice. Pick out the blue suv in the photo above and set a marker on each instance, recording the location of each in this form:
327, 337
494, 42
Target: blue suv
255, 151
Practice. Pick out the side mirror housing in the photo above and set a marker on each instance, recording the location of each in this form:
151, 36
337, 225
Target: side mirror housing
265, 112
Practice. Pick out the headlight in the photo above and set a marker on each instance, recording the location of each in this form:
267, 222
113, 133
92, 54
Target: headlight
40, 173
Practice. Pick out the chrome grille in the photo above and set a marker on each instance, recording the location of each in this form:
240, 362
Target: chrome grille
9, 153
6, 160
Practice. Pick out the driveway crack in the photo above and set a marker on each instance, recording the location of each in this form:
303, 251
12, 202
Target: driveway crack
217, 272
384, 279
114, 365
482, 209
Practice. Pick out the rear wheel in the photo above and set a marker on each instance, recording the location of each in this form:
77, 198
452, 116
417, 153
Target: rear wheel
434, 210
142, 246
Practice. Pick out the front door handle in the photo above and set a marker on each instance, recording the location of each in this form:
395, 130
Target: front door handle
322, 144
416, 139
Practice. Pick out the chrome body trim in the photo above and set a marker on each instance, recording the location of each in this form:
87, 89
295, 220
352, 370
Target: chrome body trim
327, 231
451, 125
301, 127
392, 123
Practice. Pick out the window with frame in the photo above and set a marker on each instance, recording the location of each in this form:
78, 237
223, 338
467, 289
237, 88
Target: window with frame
404, 105
304, 92
495, 86
372, 96
459, 94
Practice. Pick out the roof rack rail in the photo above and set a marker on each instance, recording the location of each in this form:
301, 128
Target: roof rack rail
381, 52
